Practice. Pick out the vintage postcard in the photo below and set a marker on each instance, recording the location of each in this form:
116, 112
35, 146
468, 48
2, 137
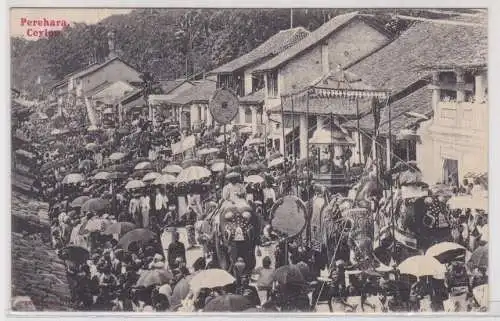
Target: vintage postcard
249, 160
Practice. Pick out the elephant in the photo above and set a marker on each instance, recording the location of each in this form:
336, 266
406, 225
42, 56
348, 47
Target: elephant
347, 233
236, 230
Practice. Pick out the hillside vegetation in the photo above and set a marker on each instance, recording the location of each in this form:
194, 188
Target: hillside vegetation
159, 40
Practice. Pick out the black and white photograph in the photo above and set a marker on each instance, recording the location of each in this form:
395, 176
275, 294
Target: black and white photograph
260, 160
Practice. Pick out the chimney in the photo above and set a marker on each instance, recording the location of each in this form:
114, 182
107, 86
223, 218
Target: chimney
111, 44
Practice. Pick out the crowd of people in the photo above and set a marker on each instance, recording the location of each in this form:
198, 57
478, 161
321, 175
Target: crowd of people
98, 195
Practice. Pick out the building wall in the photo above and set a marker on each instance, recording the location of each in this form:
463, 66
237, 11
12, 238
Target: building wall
344, 47
112, 72
469, 146
355, 41
301, 71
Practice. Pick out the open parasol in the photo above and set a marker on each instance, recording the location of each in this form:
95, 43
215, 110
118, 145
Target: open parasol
218, 167
276, 162
467, 201
73, 178
254, 141
165, 179
75, 253
289, 274
446, 251
172, 169
422, 265
120, 228
207, 151
140, 235
211, 278
255, 179
101, 176
91, 146
479, 258
134, 184
154, 277
95, 205
117, 156
480, 293
228, 303
79, 201
193, 173
150, 177
191, 162
143, 166
181, 290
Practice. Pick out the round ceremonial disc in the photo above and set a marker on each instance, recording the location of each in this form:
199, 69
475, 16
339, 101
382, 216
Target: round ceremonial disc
224, 106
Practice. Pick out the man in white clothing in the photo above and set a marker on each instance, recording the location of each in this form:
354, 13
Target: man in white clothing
161, 204
145, 208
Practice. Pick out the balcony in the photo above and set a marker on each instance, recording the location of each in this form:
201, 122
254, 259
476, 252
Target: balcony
464, 115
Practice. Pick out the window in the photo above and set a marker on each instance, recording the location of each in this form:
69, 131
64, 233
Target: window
225, 81
257, 82
272, 84
248, 115
448, 95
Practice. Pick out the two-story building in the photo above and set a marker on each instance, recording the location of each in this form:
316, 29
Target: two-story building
75, 87
238, 75
342, 41
436, 72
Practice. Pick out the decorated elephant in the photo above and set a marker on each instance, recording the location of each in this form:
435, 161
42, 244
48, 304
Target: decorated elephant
419, 220
236, 230
347, 232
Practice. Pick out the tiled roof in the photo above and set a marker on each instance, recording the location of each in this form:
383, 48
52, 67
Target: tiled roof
253, 98
168, 85
271, 47
419, 101
399, 64
202, 91
323, 106
314, 37
95, 67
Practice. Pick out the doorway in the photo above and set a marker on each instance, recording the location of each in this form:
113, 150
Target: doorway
450, 172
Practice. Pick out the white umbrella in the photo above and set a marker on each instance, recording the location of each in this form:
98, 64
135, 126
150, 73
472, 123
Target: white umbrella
193, 173
422, 265
150, 176
256, 179
481, 294
101, 176
117, 156
143, 165
134, 184
254, 141
276, 162
210, 278
207, 151
73, 178
165, 179
440, 248
246, 130
172, 169
218, 167
467, 201
91, 146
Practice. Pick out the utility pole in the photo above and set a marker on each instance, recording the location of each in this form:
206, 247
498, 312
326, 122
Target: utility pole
291, 18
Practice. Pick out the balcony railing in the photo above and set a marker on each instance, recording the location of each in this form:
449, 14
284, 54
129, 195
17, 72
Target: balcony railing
464, 115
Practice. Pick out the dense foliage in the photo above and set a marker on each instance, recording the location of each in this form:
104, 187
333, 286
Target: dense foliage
159, 40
